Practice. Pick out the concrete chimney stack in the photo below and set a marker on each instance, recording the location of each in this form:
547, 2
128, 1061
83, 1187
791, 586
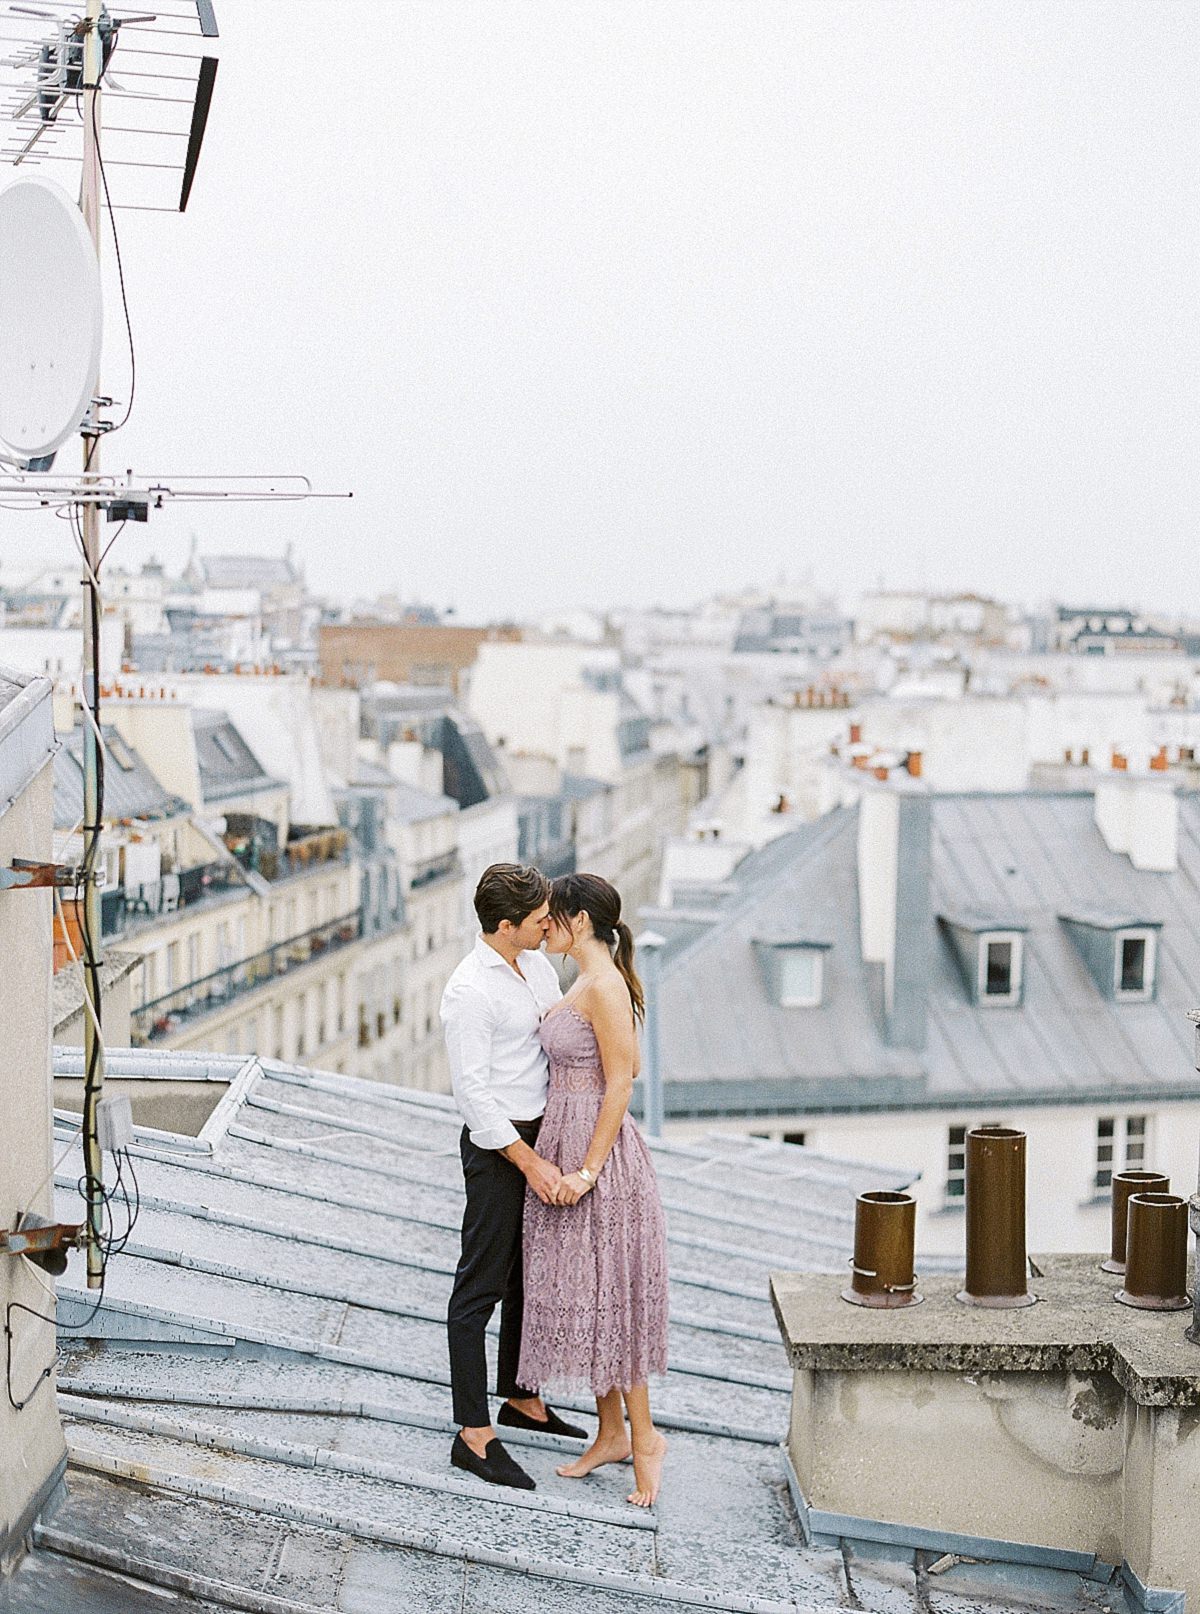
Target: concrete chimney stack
895, 911
1139, 816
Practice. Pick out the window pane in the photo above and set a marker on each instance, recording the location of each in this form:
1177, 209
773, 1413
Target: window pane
999, 981
1135, 1126
1105, 1126
1133, 964
955, 1188
799, 976
1104, 1178
793, 1137
958, 1134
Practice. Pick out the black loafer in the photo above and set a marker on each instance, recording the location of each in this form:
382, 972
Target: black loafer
495, 1466
551, 1424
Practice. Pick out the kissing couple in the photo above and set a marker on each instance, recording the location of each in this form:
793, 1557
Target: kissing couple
563, 1227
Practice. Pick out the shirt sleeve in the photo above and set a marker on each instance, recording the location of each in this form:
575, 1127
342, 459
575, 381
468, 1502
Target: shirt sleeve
468, 1020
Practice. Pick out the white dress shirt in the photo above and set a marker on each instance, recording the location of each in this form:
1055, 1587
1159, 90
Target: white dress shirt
491, 1017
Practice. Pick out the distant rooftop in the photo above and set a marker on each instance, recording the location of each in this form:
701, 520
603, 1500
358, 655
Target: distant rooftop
130, 788
227, 765
1020, 861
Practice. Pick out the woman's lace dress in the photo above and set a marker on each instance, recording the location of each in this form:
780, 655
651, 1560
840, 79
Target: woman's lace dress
595, 1272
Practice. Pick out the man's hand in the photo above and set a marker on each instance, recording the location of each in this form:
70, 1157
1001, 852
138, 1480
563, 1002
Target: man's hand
541, 1175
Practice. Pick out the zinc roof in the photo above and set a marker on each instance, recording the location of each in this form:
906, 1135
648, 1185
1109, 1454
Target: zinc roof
258, 1413
1027, 858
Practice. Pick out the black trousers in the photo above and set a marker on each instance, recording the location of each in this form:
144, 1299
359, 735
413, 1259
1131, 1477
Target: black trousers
489, 1275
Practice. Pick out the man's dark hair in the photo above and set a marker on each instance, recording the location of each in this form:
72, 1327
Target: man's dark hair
508, 891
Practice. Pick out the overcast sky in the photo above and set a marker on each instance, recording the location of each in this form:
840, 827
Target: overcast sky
618, 301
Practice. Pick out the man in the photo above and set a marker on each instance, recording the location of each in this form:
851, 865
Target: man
491, 1011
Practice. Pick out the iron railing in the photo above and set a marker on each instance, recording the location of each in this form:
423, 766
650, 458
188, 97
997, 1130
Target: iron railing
433, 868
132, 904
166, 1015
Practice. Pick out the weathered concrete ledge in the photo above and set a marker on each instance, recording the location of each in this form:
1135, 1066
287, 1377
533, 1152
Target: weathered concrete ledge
1076, 1327
1069, 1427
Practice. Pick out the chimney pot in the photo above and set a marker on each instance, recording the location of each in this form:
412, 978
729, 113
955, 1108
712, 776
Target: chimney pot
1158, 762
881, 771
1120, 761
913, 762
856, 734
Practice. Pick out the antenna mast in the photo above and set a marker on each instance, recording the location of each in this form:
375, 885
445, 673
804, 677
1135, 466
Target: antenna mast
89, 518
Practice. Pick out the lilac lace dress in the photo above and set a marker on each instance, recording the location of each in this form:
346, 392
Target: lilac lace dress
595, 1272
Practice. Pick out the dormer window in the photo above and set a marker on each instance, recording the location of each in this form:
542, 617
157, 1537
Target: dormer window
793, 971
1134, 962
800, 972
989, 948
1120, 951
1000, 959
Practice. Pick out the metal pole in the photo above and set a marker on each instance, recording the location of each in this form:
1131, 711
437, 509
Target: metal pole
650, 946
93, 1058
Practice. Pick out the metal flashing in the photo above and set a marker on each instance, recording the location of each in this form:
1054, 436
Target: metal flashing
819, 1525
27, 741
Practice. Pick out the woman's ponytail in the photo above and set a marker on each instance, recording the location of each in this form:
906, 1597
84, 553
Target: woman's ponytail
623, 959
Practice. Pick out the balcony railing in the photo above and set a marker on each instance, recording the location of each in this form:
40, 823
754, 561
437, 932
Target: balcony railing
433, 868
298, 856
131, 904
166, 1015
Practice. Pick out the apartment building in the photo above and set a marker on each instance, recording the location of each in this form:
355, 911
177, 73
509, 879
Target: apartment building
913, 964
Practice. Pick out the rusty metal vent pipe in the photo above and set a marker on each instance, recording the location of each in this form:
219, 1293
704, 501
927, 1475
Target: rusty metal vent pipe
997, 1268
1156, 1254
882, 1266
1125, 1183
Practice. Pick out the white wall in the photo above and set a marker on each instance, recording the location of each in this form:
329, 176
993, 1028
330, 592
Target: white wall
31, 1442
1063, 1213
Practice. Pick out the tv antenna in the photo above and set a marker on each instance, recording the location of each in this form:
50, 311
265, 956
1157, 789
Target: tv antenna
54, 73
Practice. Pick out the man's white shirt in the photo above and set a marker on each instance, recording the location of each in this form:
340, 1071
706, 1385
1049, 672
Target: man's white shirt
491, 1016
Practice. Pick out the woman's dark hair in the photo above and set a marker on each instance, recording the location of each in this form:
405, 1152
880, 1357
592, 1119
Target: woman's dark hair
508, 891
573, 894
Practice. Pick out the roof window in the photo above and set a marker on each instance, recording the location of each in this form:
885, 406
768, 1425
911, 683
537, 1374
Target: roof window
1120, 952
793, 971
989, 949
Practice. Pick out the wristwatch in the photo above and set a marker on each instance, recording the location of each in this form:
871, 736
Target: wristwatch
589, 1177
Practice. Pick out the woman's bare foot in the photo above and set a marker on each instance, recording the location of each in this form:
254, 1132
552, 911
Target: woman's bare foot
647, 1471
604, 1449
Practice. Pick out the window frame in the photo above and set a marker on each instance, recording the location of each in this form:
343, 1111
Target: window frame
817, 954
1127, 1139
1014, 939
1149, 940
956, 1144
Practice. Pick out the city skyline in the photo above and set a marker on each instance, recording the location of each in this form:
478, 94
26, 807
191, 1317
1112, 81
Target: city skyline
586, 309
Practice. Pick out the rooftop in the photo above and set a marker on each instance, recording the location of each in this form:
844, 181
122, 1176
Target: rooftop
1024, 859
258, 1414
227, 765
130, 788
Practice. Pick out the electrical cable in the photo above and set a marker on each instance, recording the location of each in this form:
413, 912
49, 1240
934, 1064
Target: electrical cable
93, 1191
112, 223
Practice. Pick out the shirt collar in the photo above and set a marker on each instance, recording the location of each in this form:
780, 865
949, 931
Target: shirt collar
487, 955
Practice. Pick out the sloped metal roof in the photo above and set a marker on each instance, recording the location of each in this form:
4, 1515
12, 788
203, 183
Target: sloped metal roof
130, 788
258, 1414
228, 767
1030, 857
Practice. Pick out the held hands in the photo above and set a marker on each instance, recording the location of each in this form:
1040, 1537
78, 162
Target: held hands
571, 1189
544, 1177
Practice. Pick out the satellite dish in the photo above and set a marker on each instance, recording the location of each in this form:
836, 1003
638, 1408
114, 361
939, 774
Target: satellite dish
50, 318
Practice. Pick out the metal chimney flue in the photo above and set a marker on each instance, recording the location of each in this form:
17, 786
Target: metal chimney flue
997, 1266
1124, 1184
1156, 1254
882, 1265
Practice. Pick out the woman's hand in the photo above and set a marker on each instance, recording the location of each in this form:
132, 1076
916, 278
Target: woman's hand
571, 1189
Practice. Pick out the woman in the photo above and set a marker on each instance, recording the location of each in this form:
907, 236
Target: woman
596, 1259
